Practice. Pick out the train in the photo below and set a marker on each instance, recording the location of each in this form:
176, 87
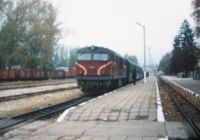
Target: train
99, 69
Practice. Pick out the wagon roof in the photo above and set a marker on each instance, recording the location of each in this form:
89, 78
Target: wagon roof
97, 49
133, 63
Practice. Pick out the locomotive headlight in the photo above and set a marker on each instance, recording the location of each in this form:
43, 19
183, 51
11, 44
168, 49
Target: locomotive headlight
103, 69
103, 72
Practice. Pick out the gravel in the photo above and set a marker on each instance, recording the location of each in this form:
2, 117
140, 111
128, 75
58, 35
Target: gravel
16, 107
26, 84
169, 109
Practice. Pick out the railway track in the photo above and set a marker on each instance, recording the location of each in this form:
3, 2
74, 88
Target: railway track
188, 110
18, 121
29, 84
25, 95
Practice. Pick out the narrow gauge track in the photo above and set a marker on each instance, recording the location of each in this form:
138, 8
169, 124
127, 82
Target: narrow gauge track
25, 95
31, 84
189, 111
15, 122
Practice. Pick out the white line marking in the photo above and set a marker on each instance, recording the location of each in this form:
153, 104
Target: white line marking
64, 114
166, 138
160, 115
82, 103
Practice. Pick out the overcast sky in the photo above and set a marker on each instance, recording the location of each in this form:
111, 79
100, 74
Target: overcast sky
112, 24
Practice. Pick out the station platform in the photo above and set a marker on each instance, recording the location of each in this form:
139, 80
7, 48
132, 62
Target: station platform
189, 84
129, 113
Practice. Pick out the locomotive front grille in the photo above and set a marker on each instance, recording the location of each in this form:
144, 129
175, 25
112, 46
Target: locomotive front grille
92, 69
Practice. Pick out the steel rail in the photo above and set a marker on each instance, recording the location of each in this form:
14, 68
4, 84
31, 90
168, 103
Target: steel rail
28, 85
192, 124
25, 95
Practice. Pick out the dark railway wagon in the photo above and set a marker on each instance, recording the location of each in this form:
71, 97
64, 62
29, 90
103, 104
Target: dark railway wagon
11, 75
99, 68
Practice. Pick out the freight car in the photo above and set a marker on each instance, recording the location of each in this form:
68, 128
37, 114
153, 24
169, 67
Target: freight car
99, 68
13, 75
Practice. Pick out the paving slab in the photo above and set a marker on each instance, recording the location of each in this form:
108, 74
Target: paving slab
180, 130
93, 130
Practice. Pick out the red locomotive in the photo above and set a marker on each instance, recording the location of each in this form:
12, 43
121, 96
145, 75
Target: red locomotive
99, 68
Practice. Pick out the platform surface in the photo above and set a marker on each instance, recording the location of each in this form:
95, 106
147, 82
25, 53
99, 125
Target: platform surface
189, 83
128, 113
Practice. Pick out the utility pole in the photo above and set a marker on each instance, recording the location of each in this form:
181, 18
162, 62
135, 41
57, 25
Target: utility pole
149, 57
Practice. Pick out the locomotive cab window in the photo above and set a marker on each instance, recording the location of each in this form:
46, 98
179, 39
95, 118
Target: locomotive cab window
100, 56
84, 56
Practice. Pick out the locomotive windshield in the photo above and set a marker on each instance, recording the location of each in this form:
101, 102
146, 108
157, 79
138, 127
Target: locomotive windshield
84, 56
95, 56
100, 56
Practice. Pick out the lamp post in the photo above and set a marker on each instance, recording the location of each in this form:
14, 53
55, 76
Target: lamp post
143, 27
149, 58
